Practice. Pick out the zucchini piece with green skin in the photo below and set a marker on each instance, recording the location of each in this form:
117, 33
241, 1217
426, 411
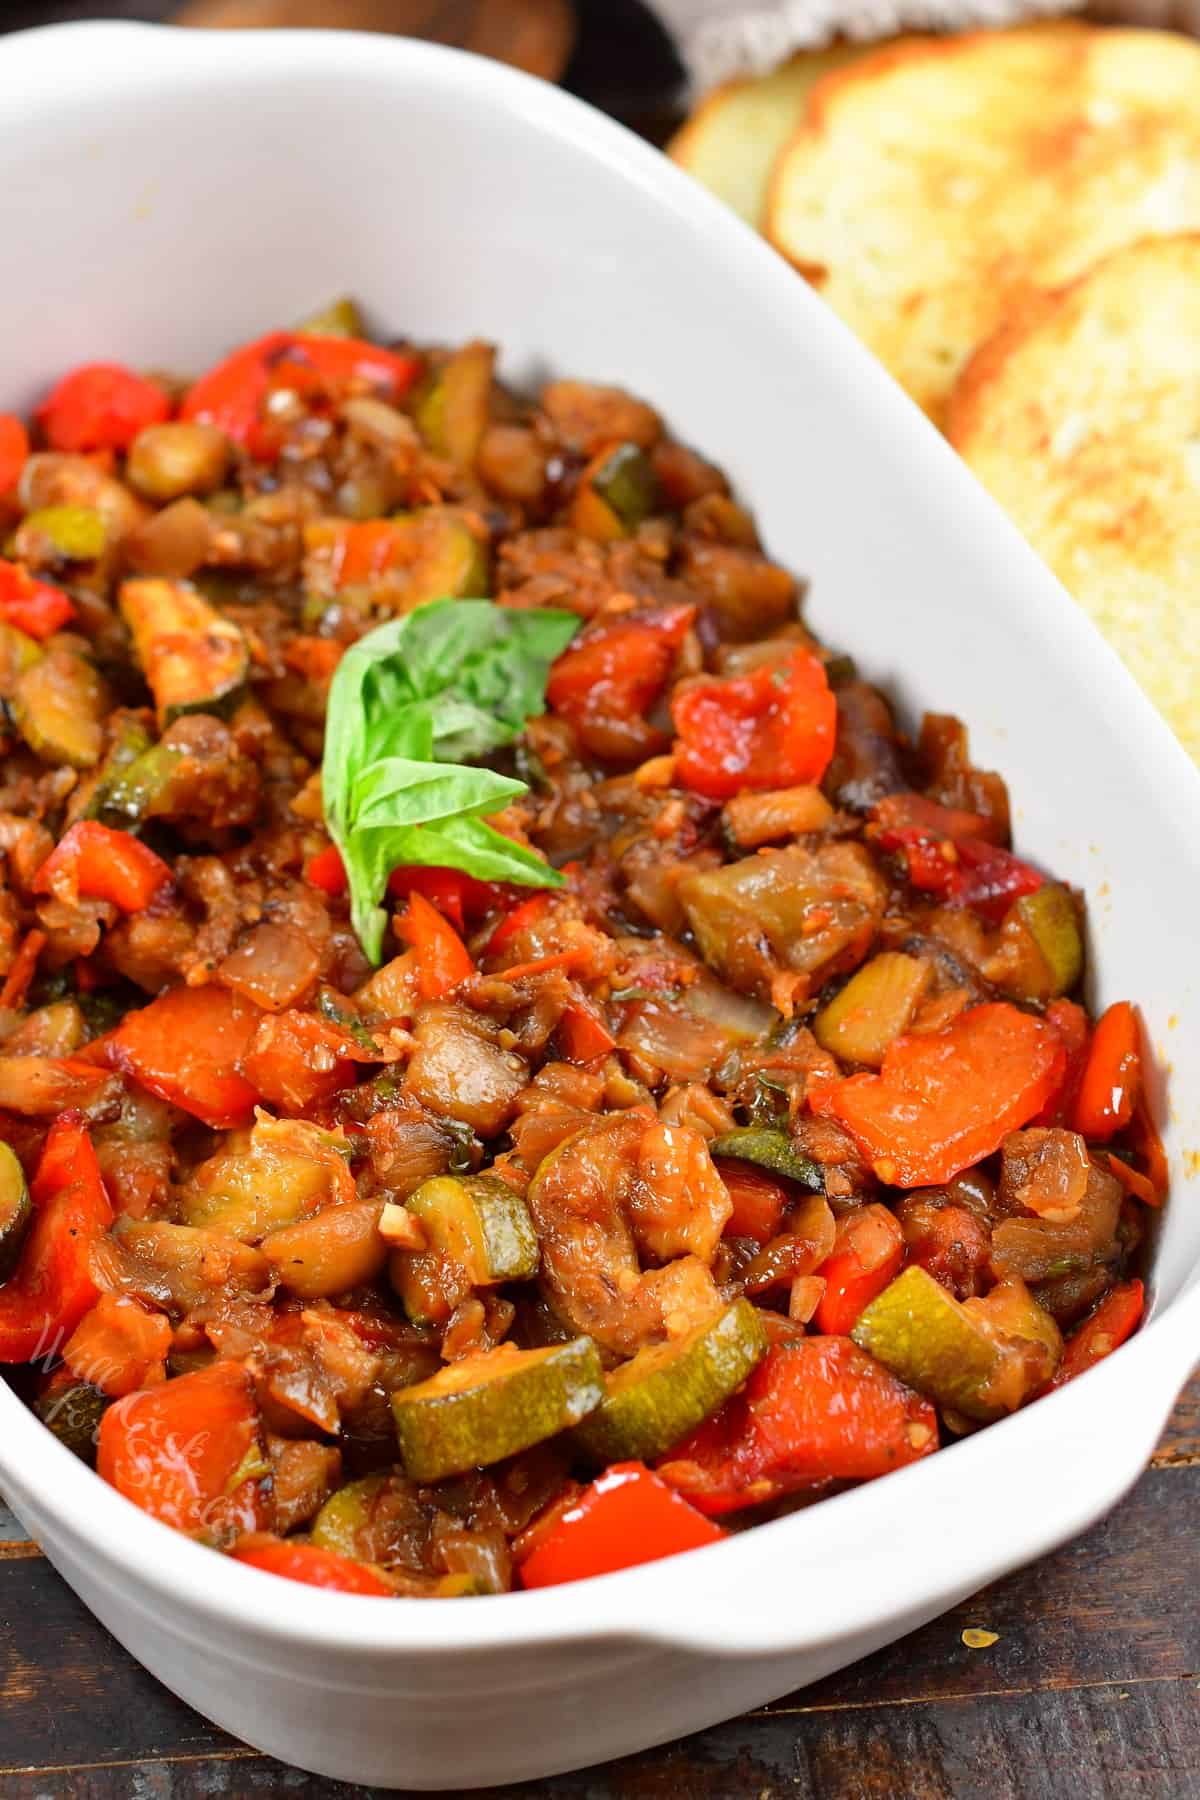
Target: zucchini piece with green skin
452, 414
59, 706
73, 1414
626, 484
666, 1390
980, 1359
337, 1525
192, 658
1050, 918
136, 790
70, 533
483, 1408
479, 1233
772, 1150
18, 652
130, 740
16, 1211
341, 318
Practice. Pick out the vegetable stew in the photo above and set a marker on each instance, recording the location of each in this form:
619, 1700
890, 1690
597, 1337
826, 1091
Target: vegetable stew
512, 1062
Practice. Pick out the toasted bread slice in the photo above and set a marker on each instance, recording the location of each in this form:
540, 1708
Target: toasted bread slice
1083, 419
936, 185
733, 137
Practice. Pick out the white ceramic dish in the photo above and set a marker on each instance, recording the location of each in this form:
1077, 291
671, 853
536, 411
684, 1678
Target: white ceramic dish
164, 195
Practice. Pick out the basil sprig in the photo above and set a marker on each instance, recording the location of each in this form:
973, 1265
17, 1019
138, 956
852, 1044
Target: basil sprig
410, 705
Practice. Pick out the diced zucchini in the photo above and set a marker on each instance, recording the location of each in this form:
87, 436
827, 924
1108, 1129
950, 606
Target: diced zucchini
341, 318
981, 1358
266, 1178
479, 1233
771, 1149
15, 1211
130, 740
484, 1408
73, 1414
875, 1006
66, 533
452, 414
136, 790
17, 653
666, 1390
1051, 919
448, 559
59, 705
624, 481
192, 658
343, 1515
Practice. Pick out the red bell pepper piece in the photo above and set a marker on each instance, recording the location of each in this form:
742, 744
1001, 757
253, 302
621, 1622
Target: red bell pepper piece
529, 913
759, 1200
1112, 1075
942, 1101
297, 1059
34, 607
310, 1564
443, 960
14, 449
327, 871
1114, 1319
232, 395
1134, 1182
1071, 1023
774, 727
949, 853
101, 406
188, 1047
176, 1449
990, 879
583, 1037
867, 1254
458, 897
628, 1516
52, 1287
92, 860
1142, 1136
23, 969
618, 668
119, 1345
816, 1409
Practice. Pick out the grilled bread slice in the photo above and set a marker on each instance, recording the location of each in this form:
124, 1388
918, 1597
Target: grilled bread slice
1083, 418
935, 185
732, 139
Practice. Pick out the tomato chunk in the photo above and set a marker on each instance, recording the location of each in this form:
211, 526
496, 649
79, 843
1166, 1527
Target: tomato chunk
176, 1449
626, 1517
941, 1102
101, 406
868, 1253
52, 1287
310, 1564
188, 1047
92, 860
817, 1409
772, 728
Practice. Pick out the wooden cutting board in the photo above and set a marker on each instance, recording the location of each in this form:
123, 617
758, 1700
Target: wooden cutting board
535, 35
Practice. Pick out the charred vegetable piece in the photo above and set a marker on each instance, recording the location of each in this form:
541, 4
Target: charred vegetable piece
876, 1005
479, 1232
628, 1516
192, 658
956, 1352
487, 1407
16, 1211
1050, 918
453, 412
666, 1390
73, 1411
71, 533
769, 1149
344, 1514
341, 318
59, 705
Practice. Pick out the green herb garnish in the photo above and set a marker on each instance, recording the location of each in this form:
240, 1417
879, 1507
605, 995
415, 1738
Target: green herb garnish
409, 704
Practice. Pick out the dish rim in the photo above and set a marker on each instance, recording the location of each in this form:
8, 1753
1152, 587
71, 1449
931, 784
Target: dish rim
668, 1607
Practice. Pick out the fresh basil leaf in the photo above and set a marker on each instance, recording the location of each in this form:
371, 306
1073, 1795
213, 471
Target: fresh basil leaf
410, 704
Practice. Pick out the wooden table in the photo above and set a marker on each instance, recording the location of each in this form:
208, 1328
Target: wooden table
1092, 1690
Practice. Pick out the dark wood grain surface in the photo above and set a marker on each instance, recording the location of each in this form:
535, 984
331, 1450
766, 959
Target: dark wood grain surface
1091, 1689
